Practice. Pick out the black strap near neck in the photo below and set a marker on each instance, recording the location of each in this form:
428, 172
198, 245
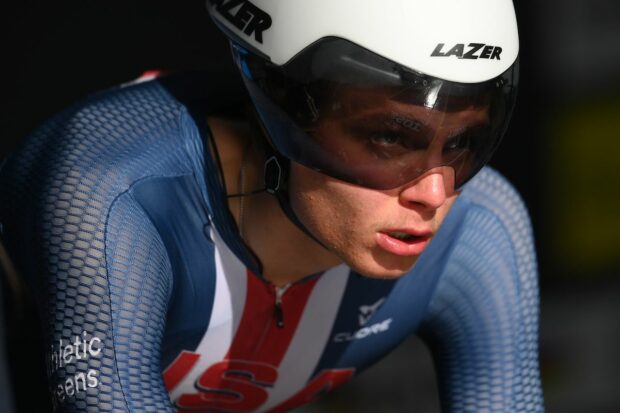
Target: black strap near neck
276, 183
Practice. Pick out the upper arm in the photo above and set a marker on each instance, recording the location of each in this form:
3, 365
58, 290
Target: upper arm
97, 265
101, 277
482, 322
140, 282
102, 282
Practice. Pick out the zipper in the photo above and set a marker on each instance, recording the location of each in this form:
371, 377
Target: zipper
278, 311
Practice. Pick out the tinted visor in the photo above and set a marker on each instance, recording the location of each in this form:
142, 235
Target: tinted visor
344, 111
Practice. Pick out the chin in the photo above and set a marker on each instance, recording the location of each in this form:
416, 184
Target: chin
390, 268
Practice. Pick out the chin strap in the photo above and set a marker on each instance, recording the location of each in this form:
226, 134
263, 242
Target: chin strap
276, 172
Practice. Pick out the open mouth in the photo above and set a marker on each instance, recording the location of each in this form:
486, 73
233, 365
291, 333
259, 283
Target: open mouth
405, 237
403, 243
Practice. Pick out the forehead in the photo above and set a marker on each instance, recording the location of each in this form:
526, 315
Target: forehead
382, 102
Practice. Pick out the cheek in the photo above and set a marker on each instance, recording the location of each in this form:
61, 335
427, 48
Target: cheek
334, 211
318, 208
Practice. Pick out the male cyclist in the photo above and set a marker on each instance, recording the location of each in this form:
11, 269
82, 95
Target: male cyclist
199, 257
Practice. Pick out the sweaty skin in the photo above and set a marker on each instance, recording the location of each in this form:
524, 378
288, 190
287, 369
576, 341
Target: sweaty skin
349, 218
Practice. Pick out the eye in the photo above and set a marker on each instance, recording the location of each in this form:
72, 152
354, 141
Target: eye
385, 138
466, 140
458, 143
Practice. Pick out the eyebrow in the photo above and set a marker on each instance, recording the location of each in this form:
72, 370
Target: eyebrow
426, 133
392, 119
407, 122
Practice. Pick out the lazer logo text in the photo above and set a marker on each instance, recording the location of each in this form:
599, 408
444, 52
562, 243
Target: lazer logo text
244, 16
471, 51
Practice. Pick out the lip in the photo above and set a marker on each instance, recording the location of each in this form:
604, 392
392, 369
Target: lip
404, 248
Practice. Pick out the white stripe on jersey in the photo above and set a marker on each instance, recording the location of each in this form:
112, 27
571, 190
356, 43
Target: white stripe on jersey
231, 281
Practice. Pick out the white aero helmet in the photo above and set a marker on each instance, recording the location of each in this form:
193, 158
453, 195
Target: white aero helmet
376, 92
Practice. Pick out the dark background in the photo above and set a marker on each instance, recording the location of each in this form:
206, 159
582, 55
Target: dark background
561, 153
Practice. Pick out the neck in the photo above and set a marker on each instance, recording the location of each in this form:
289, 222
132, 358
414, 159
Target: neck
286, 253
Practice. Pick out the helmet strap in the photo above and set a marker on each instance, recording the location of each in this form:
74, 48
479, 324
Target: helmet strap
276, 171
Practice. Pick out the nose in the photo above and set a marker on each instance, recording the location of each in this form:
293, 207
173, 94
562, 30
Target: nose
430, 190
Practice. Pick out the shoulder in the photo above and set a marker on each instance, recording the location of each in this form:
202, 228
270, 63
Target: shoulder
100, 147
492, 197
135, 128
486, 239
495, 232
59, 188
492, 191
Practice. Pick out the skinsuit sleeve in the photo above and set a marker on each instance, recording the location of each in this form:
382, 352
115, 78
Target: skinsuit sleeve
482, 324
93, 258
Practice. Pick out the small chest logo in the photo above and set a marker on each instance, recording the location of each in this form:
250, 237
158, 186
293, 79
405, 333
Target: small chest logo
365, 314
367, 311
245, 16
471, 51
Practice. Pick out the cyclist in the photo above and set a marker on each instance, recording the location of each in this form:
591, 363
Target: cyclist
193, 256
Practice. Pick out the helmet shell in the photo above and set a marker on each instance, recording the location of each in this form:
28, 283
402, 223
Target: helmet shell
463, 41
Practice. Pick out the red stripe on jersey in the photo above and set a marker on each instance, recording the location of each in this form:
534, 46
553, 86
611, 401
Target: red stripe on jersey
238, 383
258, 337
179, 368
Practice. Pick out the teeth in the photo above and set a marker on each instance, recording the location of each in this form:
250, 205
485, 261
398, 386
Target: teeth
401, 235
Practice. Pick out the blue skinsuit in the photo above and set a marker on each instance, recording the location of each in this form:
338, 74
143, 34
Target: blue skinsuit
114, 212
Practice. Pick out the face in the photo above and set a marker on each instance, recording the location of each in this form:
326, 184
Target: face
382, 232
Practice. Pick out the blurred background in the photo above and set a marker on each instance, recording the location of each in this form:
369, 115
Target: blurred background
561, 153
